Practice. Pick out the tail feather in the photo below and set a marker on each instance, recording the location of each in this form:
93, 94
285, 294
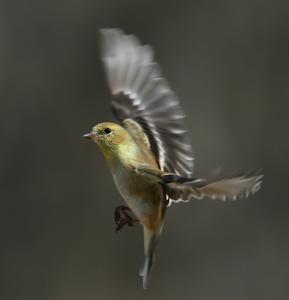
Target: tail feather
151, 240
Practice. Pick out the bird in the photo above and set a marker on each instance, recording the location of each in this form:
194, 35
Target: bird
150, 158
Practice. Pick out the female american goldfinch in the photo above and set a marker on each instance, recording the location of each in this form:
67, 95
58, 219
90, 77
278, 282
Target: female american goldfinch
150, 159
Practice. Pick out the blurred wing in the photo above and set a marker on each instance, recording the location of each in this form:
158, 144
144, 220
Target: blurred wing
181, 189
144, 102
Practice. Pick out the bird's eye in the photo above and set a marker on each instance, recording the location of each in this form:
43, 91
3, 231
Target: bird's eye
107, 130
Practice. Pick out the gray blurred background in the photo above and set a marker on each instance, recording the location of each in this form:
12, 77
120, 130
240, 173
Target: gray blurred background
228, 63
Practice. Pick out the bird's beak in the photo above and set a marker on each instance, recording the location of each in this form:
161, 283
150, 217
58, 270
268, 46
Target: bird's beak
91, 135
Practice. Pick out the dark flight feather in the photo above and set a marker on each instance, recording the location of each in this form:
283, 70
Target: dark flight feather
140, 94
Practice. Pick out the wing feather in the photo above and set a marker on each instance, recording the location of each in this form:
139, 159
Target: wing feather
143, 100
229, 187
180, 188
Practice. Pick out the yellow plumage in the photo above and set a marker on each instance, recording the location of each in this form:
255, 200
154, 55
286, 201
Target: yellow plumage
150, 159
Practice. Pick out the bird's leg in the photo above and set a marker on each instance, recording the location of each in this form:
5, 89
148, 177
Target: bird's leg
122, 221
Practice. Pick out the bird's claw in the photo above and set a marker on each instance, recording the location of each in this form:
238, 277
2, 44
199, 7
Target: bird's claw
129, 221
117, 213
120, 222
117, 217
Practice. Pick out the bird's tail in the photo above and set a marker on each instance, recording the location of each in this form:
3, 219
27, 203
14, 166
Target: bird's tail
151, 240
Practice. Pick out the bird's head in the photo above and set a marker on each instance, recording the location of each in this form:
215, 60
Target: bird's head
109, 136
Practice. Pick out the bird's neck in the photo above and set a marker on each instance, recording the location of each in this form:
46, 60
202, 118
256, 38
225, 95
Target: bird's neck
126, 154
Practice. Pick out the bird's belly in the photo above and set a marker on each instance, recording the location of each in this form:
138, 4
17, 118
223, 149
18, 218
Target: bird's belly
143, 199
138, 204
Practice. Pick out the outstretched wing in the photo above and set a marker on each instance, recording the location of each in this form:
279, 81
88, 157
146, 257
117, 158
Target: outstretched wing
230, 187
144, 102
181, 188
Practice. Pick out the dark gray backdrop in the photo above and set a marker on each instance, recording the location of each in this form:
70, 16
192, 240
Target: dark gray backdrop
228, 63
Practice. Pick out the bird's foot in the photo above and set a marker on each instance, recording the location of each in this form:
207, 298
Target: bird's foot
117, 213
122, 221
